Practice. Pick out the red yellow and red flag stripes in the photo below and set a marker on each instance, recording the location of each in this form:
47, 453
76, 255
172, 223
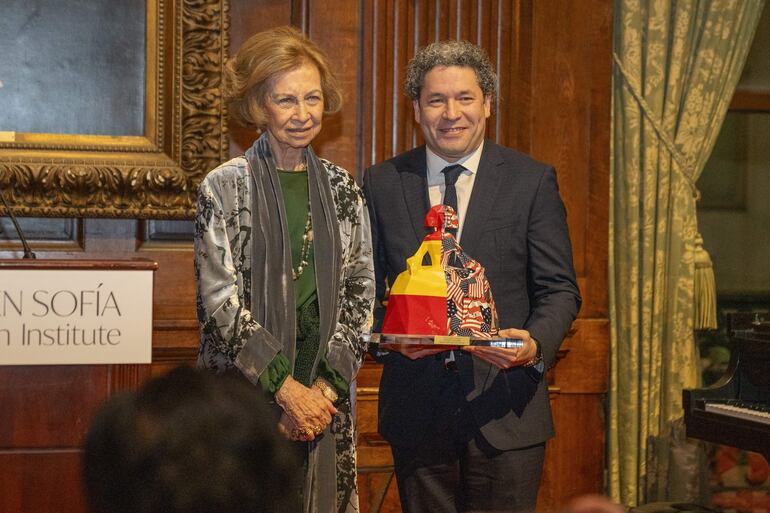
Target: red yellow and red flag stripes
418, 299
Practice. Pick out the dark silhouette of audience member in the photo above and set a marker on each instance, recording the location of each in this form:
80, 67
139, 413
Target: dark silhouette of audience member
187, 442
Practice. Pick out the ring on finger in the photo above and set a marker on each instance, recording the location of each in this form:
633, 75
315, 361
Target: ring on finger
301, 433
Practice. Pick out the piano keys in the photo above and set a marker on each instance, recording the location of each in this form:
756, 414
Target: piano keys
758, 412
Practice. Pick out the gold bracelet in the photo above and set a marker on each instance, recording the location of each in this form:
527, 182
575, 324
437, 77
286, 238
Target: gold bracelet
326, 389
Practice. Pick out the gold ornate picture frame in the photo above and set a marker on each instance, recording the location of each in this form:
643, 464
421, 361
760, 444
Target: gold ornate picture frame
153, 175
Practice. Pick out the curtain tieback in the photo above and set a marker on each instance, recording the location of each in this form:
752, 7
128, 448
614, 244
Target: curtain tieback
685, 165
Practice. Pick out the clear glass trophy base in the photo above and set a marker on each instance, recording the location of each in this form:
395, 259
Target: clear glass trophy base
385, 340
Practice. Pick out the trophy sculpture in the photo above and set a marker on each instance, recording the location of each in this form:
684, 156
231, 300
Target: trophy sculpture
444, 301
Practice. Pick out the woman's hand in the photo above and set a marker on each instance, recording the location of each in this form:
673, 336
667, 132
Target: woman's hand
286, 426
289, 429
306, 408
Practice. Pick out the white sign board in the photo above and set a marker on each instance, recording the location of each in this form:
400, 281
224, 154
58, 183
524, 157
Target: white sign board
64, 317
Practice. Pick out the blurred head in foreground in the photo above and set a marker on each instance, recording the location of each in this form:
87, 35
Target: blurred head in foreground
186, 442
594, 503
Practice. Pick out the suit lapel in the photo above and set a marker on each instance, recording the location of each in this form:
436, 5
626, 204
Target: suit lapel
489, 179
414, 183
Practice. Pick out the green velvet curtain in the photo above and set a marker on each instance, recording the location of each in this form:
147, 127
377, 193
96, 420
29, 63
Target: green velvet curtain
676, 65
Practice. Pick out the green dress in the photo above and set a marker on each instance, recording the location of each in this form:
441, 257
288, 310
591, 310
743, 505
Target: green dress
294, 185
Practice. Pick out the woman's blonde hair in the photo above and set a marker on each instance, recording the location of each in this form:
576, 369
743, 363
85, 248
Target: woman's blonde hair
247, 75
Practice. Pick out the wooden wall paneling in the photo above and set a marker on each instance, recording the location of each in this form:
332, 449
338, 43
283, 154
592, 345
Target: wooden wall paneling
510, 125
337, 31
371, 95
486, 34
165, 231
45, 407
446, 20
571, 63
106, 238
405, 31
174, 289
46, 411
175, 333
560, 88
169, 335
378, 79
127, 377
378, 492
389, 85
577, 385
572, 467
175, 323
569, 127
247, 17
41, 482
596, 260
300, 14
393, 30
42, 234
584, 359
167, 358
425, 30
367, 108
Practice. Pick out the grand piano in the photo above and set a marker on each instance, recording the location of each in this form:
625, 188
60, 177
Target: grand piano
735, 410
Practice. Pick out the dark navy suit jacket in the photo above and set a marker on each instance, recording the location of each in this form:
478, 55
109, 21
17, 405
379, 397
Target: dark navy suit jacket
516, 228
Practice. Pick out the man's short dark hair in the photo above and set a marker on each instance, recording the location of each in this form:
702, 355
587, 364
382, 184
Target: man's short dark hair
450, 53
188, 442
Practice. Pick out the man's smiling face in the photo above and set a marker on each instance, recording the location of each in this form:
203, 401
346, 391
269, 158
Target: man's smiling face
452, 111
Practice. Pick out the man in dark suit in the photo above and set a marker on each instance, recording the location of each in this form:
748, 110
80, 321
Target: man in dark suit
468, 428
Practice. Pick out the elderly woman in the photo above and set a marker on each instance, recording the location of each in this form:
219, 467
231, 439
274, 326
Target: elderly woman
284, 262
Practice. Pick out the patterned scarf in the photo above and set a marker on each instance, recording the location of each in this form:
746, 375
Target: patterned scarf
272, 293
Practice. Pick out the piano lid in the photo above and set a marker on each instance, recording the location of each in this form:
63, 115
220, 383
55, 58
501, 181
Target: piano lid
731, 411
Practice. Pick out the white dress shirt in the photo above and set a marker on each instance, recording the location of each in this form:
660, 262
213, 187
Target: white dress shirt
464, 185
